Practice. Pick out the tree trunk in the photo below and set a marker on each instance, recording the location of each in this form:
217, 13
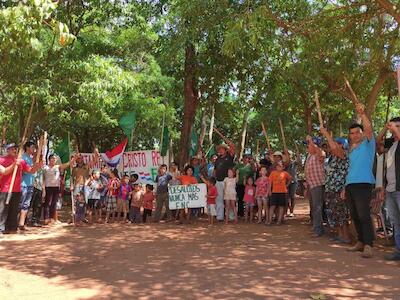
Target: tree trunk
203, 128
191, 101
244, 132
212, 120
373, 95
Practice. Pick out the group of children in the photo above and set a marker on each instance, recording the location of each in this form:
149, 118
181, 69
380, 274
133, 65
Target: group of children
268, 193
122, 200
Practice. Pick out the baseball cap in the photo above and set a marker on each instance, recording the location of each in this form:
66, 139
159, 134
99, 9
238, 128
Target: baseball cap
343, 141
11, 145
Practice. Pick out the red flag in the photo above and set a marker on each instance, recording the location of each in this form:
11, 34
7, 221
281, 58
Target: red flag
113, 157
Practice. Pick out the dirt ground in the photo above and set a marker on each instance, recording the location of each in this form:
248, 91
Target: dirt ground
168, 261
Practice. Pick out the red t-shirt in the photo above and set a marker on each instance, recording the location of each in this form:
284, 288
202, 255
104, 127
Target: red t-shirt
113, 187
148, 199
212, 195
249, 194
5, 180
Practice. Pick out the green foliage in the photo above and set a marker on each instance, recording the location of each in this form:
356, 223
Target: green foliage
266, 57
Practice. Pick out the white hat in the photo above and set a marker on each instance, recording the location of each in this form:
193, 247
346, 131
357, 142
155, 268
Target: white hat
277, 153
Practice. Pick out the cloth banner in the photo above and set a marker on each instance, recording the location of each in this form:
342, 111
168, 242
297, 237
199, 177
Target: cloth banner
187, 196
143, 163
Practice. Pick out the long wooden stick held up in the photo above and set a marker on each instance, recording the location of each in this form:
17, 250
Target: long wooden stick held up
354, 97
317, 104
21, 149
266, 136
283, 134
39, 149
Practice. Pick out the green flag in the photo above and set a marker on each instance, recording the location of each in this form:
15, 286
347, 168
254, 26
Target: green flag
211, 151
127, 123
64, 152
194, 143
165, 141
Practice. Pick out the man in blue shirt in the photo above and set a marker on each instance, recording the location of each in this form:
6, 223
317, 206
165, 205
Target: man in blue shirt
162, 181
360, 180
27, 184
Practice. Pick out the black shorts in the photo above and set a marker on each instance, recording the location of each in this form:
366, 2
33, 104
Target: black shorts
92, 203
278, 199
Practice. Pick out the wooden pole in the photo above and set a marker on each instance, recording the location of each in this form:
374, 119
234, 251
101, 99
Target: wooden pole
266, 136
257, 149
354, 97
70, 180
283, 134
43, 154
220, 134
39, 148
317, 104
162, 136
398, 79
21, 148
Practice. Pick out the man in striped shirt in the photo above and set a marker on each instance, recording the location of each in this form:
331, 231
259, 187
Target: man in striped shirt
315, 179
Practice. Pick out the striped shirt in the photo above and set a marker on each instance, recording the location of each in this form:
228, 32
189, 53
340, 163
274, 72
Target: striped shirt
314, 171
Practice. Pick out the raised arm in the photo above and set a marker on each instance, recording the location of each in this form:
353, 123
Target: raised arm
335, 148
95, 160
394, 129
67, 164
368, 131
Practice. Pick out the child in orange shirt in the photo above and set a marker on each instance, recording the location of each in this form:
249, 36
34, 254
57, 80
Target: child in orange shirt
280, 180
186, 179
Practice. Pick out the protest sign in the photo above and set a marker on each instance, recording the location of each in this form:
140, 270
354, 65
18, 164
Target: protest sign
187, 196
143, 163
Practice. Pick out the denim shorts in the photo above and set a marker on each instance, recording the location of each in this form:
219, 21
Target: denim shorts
26, 197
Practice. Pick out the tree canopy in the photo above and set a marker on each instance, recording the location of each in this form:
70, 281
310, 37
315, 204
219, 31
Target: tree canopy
196, 64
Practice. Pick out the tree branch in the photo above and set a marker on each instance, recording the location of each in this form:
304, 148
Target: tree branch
390, 8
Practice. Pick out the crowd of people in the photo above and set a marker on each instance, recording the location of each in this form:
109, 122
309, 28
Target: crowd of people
339, 180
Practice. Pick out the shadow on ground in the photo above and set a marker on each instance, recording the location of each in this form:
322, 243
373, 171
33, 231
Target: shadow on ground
191, 261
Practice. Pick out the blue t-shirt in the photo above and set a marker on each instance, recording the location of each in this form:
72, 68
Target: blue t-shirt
361, 161
162, 183
27, 179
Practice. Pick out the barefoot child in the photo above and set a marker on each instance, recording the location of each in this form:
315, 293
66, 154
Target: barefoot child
148, 200
123, 198
249, 195
230, 194
112, 194
136, 204
80, 205
212, 194
280, 181
262, 190
94, 193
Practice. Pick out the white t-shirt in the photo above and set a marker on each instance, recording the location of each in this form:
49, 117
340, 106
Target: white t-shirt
51, 176
93, 190
230, 188
391, 168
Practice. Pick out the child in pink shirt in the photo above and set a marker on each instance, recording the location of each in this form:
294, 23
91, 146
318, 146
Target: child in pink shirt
249, 196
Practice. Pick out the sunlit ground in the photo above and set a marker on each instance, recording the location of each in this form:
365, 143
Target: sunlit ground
190, 261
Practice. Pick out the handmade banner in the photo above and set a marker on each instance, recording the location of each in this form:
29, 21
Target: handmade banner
143, 163
187, 196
